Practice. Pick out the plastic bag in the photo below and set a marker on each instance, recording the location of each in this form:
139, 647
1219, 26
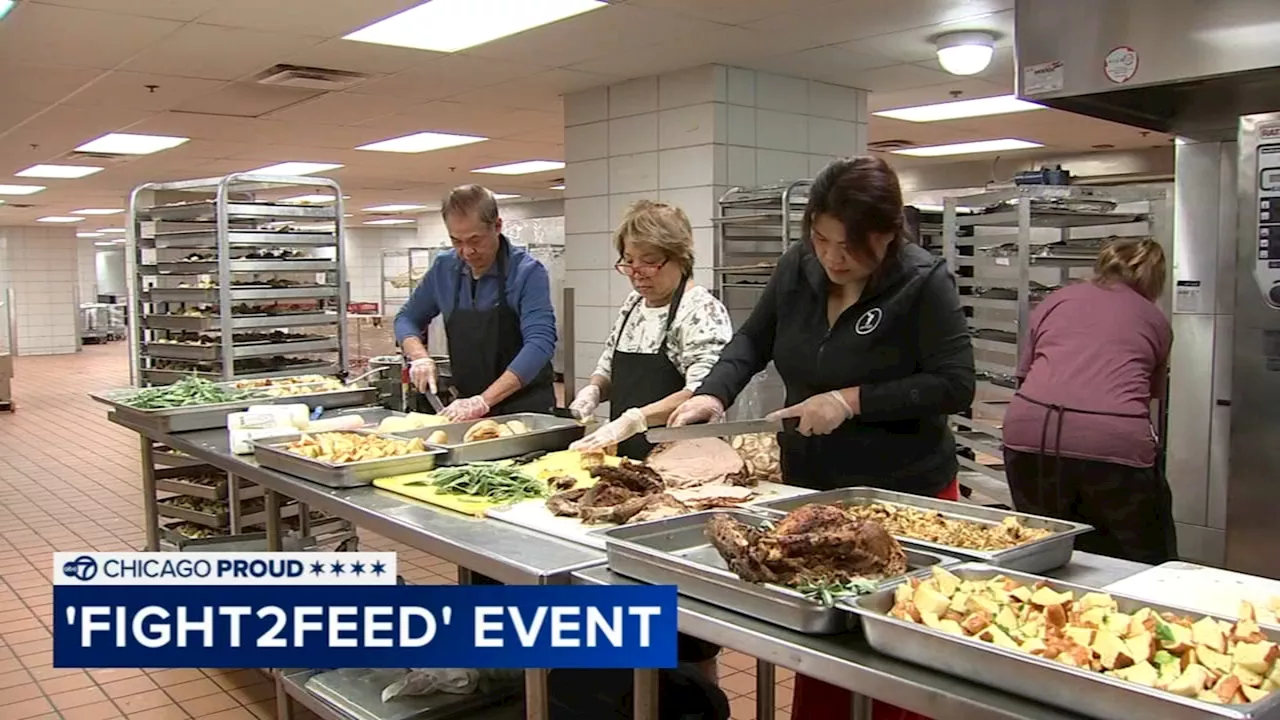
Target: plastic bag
455, 681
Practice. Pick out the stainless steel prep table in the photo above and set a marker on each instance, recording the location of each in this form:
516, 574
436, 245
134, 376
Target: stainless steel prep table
847, 661
513, 555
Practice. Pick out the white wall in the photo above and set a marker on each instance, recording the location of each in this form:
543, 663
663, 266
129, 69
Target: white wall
41, 265
87, 272
109, 271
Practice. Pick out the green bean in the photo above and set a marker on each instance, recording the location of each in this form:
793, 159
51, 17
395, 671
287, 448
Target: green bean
186, 392
497, 481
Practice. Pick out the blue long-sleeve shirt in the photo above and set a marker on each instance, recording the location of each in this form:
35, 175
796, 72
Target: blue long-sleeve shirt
528, 293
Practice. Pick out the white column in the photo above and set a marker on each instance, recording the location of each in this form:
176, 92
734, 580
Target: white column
684, 138
42, 267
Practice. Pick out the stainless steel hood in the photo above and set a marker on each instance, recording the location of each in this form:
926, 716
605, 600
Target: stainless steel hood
1186, 67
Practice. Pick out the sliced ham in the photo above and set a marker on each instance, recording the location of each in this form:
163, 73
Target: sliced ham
690, 463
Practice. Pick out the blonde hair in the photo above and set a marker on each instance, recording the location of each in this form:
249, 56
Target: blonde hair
1140, 264
665, 227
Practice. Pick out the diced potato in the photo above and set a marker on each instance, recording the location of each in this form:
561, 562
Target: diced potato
1082, 635
960, 602
1021, 593
1117, 623
1248, 677
951, 626
998, 637
1097, 600
1206, 632
947, 582
1253, 695
1255, 657
1143, 673
1141, 647
1191, 682
1182, 639
928, 599
1096, 617
983, 603
1214, 660
1111, 650
902, 593
1046, 596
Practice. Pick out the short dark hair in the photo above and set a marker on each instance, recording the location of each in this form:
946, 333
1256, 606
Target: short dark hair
863, 193
466, 199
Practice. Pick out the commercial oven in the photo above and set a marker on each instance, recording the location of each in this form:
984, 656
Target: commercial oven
1209, 74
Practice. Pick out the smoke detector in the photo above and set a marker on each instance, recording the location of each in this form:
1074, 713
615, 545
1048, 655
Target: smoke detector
310, 78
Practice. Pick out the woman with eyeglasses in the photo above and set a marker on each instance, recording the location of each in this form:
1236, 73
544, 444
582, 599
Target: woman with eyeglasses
668, 334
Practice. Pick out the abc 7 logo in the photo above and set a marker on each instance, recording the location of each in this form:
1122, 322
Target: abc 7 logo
83, 568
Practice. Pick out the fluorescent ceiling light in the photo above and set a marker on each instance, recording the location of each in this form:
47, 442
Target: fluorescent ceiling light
313, 199
104, 244
452, 25
556, 187
130, 144
978, 107
295, 168
88, 234
965, 53
20, 189
6, 6
59, 219
422, 142
504, 196
522, 168
394, 208
59, 171
112, 230
389, 221
968, 148
97, 211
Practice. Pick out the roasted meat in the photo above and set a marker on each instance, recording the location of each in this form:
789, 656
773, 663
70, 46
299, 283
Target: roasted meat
813, 544
689, 463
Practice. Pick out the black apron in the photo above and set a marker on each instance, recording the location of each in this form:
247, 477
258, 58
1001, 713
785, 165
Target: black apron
642, 378
482, 343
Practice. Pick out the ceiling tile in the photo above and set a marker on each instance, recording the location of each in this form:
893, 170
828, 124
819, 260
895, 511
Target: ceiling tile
538, 92
341, 108
61, 33
247, 100
467, 119
899, 77
303, 17
846, 20
183, 10
827, 64
731, 12
950, 87
42, 83
447, 76
217, 53
339, 54
917, 45
129, 90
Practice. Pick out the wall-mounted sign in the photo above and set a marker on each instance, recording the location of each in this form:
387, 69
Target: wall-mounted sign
1121, 64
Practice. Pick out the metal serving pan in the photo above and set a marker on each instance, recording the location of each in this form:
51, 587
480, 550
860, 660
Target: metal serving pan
676, 551
1039, 556
206, 417
1070, 688
355, 474
546, 432
181, 480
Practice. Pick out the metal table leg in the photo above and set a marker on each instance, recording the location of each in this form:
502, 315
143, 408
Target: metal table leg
646, 695
150, 513
274, 540
536, 698
233, 503
284, 707
766, 690
464, 576
859, 707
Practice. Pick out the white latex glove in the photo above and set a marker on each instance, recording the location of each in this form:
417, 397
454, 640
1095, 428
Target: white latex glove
630, 423
819, 415
422, 373
585, 403
472, 408
697, 409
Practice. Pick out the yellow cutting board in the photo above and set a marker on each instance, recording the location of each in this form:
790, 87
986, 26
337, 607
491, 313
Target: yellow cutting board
564, 462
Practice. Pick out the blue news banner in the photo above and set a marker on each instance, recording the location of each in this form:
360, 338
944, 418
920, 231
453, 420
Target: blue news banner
233, 622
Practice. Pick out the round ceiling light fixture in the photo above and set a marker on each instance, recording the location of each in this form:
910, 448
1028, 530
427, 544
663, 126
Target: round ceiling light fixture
965, 53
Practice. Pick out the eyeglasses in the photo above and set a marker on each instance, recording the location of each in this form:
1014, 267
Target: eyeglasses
640, 269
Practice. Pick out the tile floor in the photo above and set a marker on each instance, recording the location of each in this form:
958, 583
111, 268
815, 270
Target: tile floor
69, 481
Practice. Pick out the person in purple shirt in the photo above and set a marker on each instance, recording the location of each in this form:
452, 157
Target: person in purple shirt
1078, 439
498, 316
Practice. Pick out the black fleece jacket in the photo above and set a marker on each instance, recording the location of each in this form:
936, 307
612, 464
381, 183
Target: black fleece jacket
905, 344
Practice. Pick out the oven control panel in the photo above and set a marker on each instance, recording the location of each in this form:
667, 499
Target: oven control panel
1267, 268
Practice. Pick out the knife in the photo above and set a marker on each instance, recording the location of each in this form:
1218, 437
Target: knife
434, 400
720, 429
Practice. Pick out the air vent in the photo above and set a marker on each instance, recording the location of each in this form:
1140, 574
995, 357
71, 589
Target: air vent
888, 145
310, 78
96, 159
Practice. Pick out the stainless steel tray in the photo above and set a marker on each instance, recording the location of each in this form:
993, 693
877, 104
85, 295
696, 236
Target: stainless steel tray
206, 417
177, 480
1039, 556
197, 239
273, 455
675, 551
546, 432
358, 694
212, 295
206, 210
192, 351
1070, 688
199, 323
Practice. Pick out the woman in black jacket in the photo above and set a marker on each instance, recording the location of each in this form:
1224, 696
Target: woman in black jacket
867, 332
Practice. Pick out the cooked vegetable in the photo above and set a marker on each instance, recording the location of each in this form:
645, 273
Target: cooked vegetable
497, 481
186, 392
346, 447
1208, 660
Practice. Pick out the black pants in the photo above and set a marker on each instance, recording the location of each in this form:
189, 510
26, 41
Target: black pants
1131, 509
689, 649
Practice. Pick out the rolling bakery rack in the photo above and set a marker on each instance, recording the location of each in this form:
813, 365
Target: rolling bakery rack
232, 278
1008, 249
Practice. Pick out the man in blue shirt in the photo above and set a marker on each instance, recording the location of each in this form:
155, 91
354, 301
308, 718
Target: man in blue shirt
498, 317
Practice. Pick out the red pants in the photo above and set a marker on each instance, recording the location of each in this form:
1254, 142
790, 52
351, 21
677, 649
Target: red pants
817, 700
